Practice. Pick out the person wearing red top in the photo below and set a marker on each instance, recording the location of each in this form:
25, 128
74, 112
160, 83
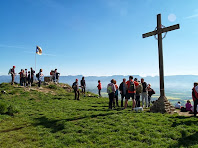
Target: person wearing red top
195, 98
131, 91
116, 95
99, 88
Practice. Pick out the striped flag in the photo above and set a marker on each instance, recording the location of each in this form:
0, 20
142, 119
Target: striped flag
38, 50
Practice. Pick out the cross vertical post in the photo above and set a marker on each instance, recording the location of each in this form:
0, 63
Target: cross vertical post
160, 52
162, 104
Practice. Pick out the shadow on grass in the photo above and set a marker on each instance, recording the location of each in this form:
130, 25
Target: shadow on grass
48, 123
58, 125
10, 130
183, 120
186, 141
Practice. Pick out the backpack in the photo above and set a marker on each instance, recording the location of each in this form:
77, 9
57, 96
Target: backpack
74, 86
144, 85
131, 86
37, 75
139, 89
9, 72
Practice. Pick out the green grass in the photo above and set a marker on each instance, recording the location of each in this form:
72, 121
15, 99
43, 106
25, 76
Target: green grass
55, 119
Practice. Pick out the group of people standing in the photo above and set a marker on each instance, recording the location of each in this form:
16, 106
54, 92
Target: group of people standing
130, 89
26, 77
54, 76
75, 86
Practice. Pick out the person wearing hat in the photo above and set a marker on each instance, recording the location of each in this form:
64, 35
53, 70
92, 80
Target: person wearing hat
13, 74
76, 89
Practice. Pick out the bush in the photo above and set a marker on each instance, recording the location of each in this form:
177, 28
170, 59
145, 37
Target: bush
3, 108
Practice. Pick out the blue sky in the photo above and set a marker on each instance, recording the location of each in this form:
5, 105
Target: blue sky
98, 37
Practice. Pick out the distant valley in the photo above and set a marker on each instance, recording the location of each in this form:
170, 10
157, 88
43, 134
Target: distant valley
177, 88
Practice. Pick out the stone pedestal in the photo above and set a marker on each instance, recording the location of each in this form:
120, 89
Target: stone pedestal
46, 79
162, 105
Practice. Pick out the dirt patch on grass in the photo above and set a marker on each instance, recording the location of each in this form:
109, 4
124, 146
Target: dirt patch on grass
187, 114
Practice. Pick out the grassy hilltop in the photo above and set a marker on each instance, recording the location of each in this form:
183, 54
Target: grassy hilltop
50, 117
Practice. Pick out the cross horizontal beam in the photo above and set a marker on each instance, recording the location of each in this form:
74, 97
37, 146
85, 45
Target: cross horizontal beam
161, 30
149, 34
170, 28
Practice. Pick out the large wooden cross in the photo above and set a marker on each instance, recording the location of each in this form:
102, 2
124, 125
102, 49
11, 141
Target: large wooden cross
159, 30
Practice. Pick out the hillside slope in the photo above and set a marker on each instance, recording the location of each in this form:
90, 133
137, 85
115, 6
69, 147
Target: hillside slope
50, 117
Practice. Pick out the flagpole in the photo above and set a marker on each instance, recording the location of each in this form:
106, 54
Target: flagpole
35, 61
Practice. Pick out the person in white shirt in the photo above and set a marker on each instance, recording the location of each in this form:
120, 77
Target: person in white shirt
178, 105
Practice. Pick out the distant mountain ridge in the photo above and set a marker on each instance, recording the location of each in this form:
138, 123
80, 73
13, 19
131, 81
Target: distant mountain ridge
177, 87
178, 82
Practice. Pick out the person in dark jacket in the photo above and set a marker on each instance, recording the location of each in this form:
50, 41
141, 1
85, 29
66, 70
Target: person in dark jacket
123, 91
76, 90
32, 75
150, 93
83, 85
29, 79
56, 76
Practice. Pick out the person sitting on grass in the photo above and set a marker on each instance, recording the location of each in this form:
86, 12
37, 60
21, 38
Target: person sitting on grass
188, 106
178, 105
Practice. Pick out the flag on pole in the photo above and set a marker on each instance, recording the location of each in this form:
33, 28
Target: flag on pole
38, 50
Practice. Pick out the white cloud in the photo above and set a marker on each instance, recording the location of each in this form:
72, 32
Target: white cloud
192, 16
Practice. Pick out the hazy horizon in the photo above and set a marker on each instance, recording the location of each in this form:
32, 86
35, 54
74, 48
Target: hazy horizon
98, 38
